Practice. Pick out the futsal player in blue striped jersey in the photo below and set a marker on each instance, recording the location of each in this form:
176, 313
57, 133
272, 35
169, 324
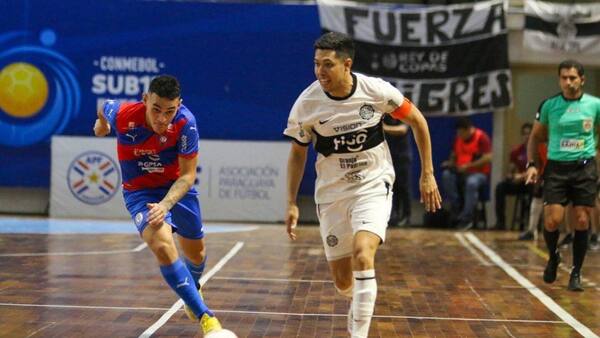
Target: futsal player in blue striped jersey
157, 145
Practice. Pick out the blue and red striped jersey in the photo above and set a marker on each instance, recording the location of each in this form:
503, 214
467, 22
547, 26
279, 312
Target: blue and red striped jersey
149, 160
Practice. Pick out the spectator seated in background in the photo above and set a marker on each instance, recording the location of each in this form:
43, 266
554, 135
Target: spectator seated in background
466, 171
514, 183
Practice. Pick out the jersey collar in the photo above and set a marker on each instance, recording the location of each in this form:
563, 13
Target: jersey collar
347, 96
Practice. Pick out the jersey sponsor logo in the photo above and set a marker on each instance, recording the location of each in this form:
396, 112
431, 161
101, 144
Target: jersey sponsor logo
354, 176
351, 142
153, 166
349, 126
93, 177
366, 112
352, 163
587, 125
143, 152
332, 241
571, 144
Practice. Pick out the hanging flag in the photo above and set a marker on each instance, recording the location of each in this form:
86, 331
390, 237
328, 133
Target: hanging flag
573, 28
449, 60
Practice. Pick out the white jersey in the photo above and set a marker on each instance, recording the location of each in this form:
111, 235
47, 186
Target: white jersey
348, 135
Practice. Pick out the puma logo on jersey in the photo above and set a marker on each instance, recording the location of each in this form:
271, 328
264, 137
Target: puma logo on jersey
131, 136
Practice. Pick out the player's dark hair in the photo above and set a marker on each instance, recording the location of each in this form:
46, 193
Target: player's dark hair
342, 44
463, 123
165, 86
527, 125
568, 64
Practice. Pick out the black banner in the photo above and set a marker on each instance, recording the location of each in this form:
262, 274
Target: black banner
448, 60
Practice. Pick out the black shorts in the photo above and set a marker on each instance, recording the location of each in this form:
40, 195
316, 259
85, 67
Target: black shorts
570, 182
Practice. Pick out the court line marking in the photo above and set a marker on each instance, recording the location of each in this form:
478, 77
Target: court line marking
41, 329
77, 253
544, 255
472, 250
535, 291
269, 313
179, 303
283, 280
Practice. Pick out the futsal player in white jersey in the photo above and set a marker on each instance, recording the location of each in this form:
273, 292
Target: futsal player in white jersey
341, 115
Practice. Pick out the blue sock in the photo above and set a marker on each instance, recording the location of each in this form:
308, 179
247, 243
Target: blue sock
196, 270
180, 280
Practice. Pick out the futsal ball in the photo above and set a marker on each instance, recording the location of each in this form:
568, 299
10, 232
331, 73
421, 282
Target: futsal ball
224, 333
23, 90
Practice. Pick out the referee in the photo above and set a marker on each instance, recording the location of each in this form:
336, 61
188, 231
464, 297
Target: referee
568, 122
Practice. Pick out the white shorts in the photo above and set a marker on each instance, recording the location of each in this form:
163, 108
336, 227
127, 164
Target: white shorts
340, 220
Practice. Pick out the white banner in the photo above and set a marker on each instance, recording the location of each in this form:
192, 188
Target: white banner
237, 180
570, 28
243, 181
86, 178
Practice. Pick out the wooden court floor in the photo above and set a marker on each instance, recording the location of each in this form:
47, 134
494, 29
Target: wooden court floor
432, 283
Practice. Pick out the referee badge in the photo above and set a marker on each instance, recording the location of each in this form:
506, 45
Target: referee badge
587, 125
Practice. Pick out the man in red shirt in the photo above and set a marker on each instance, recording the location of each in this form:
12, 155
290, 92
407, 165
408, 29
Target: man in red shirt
466, 171
514, 183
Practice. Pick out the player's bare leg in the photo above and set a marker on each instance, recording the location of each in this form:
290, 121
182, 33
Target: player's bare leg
160, 242
341, 271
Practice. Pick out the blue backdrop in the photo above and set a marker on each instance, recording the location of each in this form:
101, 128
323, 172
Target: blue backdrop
241, 67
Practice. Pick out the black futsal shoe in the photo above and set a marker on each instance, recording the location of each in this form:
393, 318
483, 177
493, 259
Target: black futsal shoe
551, 268
575, 282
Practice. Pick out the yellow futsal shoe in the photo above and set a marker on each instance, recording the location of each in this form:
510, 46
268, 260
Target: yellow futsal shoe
188, 311
209, 324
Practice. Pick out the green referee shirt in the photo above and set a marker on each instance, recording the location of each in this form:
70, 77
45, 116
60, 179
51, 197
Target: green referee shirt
571, 126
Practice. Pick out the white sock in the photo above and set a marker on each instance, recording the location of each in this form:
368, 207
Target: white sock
363, 302
537, 206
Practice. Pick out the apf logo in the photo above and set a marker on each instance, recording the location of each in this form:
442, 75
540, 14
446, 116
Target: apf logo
93, 177
39, 96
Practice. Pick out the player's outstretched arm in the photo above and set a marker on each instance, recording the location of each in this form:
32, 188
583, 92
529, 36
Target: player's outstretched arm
187, 176
430, 194
295, 171
101, 127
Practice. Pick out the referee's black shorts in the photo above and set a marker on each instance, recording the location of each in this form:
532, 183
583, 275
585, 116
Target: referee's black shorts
570, 182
